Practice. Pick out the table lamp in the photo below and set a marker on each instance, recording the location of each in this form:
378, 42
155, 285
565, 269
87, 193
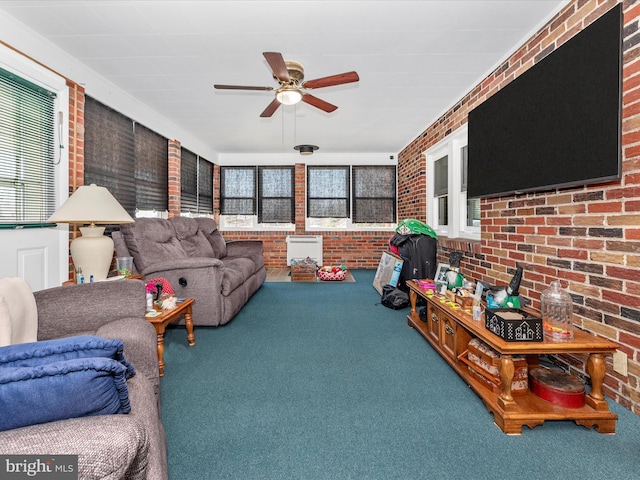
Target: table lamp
93, 251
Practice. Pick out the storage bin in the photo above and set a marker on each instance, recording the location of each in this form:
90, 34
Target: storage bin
514, 324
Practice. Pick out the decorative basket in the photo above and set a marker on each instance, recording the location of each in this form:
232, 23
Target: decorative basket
332, 276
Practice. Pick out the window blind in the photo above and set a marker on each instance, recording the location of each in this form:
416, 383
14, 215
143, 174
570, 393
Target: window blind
151, 169
205, 186
109, 152
328, 192
188, 181
237, 190
276, 202
27, 152
374, 194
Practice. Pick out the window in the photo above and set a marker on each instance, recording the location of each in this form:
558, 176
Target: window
27, 159
151, 170
473, 204
449, 212
441, 189
109, 152
127, 158
205, 187
374, 195
328, 196
196, 185
237, 197
276, 202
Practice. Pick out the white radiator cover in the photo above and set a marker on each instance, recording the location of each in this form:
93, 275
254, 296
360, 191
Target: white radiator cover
300, 247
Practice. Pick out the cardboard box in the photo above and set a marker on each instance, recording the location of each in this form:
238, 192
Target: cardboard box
388, 272
514, 325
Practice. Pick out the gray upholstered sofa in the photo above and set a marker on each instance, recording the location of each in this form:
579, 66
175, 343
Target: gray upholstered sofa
119, 446
192, 256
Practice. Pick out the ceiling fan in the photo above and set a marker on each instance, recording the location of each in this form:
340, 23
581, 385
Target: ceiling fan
292, 88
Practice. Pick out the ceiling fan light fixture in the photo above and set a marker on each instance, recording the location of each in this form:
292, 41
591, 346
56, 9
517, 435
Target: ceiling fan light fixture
288, 96
306, 149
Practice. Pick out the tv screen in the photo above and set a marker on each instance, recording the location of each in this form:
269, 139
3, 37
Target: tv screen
558, 124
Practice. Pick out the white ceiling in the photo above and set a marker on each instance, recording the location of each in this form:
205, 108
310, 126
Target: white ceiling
415, 59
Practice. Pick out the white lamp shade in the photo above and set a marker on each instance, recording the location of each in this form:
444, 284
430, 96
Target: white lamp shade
92, 252
91, 204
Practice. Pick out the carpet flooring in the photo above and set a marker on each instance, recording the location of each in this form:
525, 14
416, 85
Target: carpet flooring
311, 382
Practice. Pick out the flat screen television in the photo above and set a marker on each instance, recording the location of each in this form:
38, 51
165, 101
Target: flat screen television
556, 125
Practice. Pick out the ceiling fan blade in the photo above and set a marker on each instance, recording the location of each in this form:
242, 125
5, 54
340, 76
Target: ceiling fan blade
240, 87
271, 108
339, 79
278, 67
318, 103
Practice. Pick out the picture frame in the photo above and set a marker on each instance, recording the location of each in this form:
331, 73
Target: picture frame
441, 272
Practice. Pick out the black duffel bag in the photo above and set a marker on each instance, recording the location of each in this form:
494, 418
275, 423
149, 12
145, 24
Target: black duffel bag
394, 298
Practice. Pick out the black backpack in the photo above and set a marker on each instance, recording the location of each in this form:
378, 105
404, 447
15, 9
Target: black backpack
394, 298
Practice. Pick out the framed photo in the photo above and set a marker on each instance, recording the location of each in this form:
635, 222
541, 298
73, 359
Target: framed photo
441, 272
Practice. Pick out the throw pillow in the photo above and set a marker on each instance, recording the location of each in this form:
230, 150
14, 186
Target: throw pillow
61, 390
50, 351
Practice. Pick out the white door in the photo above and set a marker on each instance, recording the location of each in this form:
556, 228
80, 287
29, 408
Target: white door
37, 255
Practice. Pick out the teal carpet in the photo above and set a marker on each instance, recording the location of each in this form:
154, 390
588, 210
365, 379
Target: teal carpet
322, 382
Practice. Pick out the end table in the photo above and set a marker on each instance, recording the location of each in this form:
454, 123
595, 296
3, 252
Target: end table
162, 318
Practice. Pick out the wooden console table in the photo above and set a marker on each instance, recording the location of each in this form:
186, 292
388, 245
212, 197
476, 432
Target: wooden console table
449, 331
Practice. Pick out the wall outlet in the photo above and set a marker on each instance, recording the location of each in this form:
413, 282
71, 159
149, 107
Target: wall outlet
620, 362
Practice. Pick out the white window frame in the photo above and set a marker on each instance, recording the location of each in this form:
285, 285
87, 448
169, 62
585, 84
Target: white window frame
450, 146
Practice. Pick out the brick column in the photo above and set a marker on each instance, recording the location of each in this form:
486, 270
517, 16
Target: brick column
174, 178
300, 189
75, 145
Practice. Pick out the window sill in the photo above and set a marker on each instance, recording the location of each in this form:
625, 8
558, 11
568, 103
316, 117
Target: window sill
20, 226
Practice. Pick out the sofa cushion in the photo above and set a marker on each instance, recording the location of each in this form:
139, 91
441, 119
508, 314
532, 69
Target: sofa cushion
236, 271
191, 237
150, 240
210, 229
60, 390
50, 351
258, 261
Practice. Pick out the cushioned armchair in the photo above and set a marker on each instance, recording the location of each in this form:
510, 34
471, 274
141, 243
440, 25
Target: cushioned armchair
114, 446
194, 257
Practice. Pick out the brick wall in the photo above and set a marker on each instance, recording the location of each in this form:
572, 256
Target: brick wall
587, 237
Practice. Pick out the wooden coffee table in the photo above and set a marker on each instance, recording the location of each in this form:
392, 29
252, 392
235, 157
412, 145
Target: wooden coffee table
164, 318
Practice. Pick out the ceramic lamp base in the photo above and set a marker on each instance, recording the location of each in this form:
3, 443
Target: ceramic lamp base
93, 252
